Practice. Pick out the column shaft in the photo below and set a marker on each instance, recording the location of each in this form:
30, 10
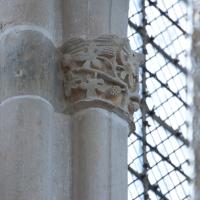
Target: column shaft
196, 94
42, 15
100, 83
98, 87
25, 158
30, 89
99, 155
92, 18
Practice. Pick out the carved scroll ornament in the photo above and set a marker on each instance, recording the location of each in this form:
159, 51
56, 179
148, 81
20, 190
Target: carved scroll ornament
103, 70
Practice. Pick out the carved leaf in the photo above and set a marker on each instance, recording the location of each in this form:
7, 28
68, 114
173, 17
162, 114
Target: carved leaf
87, 64
91, 85
123, 75
131, 80
96, 63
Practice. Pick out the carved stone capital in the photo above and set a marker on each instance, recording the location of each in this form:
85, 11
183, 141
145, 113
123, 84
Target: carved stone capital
101, 72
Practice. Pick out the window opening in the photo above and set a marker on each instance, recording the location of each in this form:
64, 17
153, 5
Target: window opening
158, 160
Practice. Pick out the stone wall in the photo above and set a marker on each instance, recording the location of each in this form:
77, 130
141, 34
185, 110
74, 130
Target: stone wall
196, 94
55, 146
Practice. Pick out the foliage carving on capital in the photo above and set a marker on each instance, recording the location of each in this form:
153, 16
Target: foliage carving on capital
104, 69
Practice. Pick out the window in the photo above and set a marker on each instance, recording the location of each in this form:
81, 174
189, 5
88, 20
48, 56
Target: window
158, 151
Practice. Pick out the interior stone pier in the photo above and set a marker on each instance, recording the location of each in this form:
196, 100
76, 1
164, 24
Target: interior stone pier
68, 90
196, 95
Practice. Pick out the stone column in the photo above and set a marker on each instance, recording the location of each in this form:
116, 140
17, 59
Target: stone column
101, 89
79, 117
92, 18
33, 164
101, 93
196, 95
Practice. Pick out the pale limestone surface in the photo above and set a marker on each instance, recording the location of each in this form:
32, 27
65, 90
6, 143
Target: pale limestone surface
196, 96
103, 70
195, 75
101, 90
45, 15
90, 19
61, 158
29, 64
60, 20
99, 154
46, 154
25, 149
36, 153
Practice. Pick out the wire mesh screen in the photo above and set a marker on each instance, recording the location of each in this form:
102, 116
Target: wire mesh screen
158, 161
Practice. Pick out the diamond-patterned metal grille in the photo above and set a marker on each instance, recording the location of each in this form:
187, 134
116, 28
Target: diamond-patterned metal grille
158, 160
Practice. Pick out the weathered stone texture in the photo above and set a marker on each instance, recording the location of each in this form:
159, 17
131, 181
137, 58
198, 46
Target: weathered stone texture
196, 109
25, 149
101, 90
196, 95
99, 155
45, 15
61, 158
90, 19
29, 65
46, 154
104, 70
